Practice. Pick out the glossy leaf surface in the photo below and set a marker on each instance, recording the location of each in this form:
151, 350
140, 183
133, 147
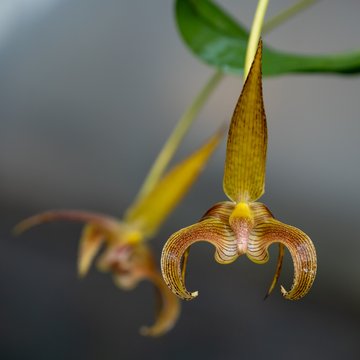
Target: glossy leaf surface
220, 41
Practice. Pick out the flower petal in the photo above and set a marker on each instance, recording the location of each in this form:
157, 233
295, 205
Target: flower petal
151, 211
99, 228
131, 264
244, 175
168, 308
126, 262
277, 271
103, 222
260, 212
221, 211
210, 230
91, 240
185, 259
301, 249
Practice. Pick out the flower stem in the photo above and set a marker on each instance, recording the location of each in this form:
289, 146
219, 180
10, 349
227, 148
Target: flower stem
255, 35
178, 134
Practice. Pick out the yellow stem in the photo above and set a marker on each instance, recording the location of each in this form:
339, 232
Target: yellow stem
255, 35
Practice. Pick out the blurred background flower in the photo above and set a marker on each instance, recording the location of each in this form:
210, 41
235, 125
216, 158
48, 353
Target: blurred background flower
86, 83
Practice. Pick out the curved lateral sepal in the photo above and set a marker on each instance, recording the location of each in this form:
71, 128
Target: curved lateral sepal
168, 306
300, 246
209, 230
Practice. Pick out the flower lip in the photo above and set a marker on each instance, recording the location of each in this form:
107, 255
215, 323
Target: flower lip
241, 222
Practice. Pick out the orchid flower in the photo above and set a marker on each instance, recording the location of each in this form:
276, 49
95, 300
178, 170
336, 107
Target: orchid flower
243, 225
127, 255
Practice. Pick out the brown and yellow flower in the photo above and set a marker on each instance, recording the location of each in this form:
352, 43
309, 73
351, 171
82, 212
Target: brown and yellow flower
127, 254
243, 225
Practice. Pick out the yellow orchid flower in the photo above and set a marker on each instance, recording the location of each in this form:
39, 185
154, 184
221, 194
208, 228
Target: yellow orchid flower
127, 255
242, 225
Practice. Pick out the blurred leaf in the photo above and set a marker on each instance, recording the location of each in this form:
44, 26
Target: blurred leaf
221, 41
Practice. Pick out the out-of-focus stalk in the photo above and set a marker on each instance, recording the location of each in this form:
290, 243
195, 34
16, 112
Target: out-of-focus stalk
174, 140
286, 14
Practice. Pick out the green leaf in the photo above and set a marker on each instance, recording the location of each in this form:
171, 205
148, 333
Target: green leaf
220, 41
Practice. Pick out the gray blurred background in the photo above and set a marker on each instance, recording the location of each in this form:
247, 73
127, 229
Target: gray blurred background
89, 91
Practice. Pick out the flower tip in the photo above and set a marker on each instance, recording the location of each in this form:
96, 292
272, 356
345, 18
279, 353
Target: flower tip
85, 260
82, 270
187, 296
145, 331
168, 308
150, 331
288, 294
21, 227
17, 230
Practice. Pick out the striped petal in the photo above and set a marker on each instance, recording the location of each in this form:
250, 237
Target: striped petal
221, 211
151, 211
261, 215
244, 175
211, 230
300, 247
